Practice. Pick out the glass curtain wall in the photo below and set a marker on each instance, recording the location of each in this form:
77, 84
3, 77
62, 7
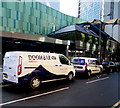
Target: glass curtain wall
89, 10
32, 17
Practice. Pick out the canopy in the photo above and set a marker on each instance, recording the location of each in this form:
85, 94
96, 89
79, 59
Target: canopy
72, 28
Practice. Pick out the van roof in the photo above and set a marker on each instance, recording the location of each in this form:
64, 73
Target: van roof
18, 52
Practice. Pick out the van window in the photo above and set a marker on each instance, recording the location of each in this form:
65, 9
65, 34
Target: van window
79, 61
93, 62
64, 60
82, 61
75, 61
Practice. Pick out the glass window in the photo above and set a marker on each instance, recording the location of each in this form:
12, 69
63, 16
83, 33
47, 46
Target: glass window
105, 63
94, 62
64, 60
82, 61
75, 61
14, 24
79, 61
17, 15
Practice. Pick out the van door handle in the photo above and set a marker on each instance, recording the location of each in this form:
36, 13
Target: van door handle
56, 65
60, 65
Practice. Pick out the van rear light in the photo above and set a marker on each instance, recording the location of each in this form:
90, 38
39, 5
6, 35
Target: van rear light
86, 65
20, 65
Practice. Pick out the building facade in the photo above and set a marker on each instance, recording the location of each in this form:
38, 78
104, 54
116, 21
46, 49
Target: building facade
99, 9
89, 10
113, 29
112, 7
32, 17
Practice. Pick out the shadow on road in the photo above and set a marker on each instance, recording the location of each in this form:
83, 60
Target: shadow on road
44, 87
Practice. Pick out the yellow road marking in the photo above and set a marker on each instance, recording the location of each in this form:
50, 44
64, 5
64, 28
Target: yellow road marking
116, 104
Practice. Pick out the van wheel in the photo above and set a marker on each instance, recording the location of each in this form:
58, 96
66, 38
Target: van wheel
70, 77
35, 82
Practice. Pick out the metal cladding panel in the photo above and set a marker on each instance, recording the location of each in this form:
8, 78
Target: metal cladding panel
1, 22
32, 17
5, 22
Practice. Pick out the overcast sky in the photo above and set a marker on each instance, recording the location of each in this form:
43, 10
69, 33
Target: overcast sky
68, 7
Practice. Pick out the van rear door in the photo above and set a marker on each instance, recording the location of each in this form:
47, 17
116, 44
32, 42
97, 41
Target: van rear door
10, 68
79, 64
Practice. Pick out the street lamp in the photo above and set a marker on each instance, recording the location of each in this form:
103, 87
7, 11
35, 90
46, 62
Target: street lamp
100, 29
107, 38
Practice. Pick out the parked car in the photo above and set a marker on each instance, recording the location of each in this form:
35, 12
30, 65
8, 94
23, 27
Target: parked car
108, 66
86, 65
117, 66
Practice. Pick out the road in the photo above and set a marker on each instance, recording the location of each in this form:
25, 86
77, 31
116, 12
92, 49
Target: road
97, 91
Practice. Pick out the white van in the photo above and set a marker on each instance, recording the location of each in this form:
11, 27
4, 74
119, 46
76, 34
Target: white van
35, 68
86, 66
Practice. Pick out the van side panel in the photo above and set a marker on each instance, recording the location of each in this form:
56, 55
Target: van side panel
45, 65
34, 60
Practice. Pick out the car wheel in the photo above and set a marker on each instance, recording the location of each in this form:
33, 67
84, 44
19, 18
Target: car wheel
100, 71
117, 69
111, 70
70, 77
35, 82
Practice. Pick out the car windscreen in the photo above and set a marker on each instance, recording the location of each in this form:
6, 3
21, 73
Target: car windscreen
79, 61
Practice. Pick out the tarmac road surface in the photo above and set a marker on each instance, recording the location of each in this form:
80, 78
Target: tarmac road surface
97, 91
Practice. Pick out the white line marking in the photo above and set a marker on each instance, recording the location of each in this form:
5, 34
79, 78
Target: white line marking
97, 80
23, 99
116, 104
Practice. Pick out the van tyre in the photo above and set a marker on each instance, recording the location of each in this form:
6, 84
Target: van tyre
70, 77
34, 82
